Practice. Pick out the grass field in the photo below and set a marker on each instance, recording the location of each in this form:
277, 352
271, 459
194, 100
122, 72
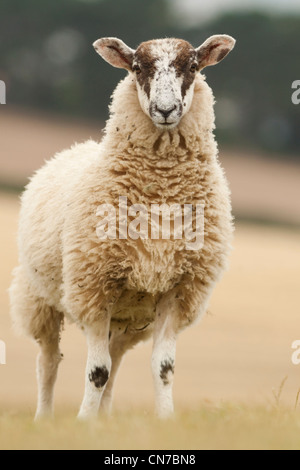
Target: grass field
205, 427
228, 372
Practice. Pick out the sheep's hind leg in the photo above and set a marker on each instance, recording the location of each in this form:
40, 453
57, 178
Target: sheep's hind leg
47, 364
98, 368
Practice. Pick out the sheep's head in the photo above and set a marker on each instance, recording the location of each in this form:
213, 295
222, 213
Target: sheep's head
165, 71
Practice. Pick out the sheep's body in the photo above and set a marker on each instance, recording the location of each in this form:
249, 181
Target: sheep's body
67, 271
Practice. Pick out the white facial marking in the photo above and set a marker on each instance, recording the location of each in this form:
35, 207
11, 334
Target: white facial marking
160, 86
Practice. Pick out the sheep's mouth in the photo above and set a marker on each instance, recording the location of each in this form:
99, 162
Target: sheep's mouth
166, 125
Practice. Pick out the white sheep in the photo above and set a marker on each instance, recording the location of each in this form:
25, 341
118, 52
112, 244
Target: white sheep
159, 148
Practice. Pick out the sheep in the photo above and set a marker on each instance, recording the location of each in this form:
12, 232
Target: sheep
158, 148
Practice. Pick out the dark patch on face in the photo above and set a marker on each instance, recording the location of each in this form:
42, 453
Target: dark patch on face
146, 64
99, 376
186, 57
166, 367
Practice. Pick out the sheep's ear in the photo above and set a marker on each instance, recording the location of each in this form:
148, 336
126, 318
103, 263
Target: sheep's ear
214, 49
115, 52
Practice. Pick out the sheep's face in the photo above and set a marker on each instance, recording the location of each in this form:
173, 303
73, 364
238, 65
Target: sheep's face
165, 71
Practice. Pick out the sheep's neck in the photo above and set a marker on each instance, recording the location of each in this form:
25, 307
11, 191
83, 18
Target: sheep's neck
162, 149
161, 174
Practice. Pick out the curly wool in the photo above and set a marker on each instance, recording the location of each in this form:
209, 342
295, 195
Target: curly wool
65, 269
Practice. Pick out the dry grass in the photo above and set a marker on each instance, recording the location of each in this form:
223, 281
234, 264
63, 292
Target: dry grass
207, 427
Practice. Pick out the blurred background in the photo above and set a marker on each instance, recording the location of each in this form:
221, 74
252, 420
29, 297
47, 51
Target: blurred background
58, 91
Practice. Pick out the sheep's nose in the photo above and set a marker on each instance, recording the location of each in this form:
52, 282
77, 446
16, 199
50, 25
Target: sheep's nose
166, 112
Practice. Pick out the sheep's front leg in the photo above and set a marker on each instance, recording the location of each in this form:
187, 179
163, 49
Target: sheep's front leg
106, 401
120, 343
163, 356
98, 368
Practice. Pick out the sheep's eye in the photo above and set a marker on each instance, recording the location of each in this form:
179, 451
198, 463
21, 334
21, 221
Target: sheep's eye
193, 68
137, 69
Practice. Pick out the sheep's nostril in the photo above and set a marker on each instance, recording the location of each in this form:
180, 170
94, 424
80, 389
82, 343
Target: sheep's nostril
166, 112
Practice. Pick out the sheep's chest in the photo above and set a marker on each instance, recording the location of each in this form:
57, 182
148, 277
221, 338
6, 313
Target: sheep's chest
164, 213
157, 265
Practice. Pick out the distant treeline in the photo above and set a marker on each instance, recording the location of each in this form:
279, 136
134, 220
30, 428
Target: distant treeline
47, 62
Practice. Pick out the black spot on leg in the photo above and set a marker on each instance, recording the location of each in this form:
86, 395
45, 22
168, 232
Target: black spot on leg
99, 376
166, 367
